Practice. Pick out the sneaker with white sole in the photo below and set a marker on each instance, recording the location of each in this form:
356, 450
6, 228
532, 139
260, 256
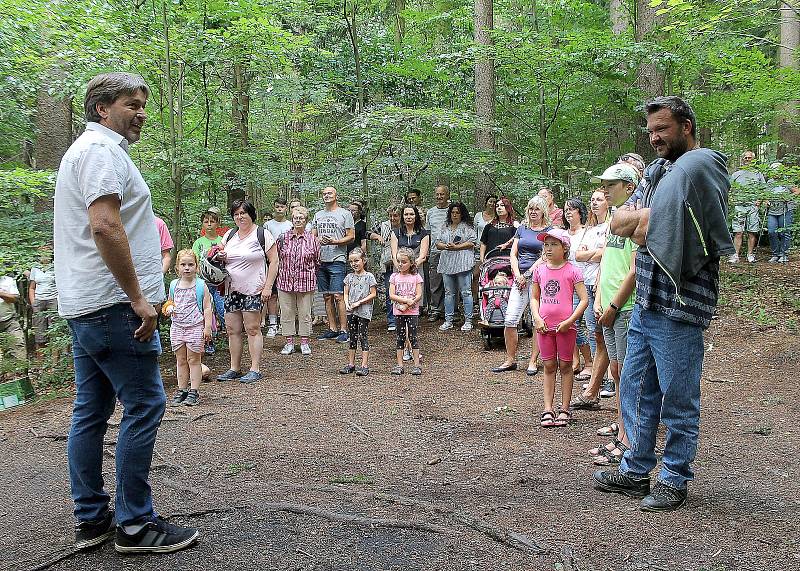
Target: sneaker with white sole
608, 389
783, 259
751, 258
288, 349
305, 349
391, 328
733, 259
155, 537
272, 331
92, 533
774, 259
407, 355
446, 325
467, 326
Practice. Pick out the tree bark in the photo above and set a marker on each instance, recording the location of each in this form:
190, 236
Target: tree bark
176, 172
619, 13
484, 93
788, 119
650, 78
53, 133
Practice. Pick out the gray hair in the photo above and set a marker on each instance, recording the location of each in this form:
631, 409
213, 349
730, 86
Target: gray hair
681, 111
300, 210
107, 88
540, 203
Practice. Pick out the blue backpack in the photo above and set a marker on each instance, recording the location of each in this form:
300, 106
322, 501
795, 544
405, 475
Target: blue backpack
200, 291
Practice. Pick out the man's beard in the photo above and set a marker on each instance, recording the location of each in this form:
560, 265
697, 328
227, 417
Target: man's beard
676, 148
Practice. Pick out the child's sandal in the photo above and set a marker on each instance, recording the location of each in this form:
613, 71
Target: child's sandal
559, 421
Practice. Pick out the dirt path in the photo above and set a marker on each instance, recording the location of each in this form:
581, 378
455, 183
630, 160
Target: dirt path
455, 456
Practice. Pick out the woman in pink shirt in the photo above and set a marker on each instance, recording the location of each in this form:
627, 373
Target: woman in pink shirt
249, 286
552, 286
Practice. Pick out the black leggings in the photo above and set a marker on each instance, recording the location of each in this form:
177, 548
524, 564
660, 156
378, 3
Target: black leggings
357, 330
407, 327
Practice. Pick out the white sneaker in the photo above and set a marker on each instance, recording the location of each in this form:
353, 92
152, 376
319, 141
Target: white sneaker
407, 355
783, 259
391, 328
733, 259
305, 348
272, 331
467, 326
751, 258
446, 325
288, 349
774, 259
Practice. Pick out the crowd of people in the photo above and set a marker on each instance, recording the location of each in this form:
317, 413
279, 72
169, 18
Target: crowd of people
618, 292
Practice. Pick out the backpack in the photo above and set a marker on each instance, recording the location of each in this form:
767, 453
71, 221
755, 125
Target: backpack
200, 290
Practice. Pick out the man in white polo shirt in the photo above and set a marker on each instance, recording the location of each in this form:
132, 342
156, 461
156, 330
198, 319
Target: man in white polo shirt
108, 271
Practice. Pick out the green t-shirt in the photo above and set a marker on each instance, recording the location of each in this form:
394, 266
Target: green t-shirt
203, 244
614, 266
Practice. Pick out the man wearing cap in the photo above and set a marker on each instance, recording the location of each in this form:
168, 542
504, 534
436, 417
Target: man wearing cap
682, 233
210, 237
613, 304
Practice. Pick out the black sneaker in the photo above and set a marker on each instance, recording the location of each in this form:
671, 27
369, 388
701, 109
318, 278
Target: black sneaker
155, 537
663, 498
192, 399
621, 484
92, 533
178, 397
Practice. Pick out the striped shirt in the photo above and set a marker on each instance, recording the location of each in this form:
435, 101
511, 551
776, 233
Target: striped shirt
299, 260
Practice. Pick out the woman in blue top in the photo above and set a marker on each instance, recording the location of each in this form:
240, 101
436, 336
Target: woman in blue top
526, 250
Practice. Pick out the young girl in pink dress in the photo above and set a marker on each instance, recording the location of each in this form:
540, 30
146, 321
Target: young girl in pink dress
189, 305
553, 284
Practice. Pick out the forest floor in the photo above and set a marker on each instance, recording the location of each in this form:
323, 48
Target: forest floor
442, 471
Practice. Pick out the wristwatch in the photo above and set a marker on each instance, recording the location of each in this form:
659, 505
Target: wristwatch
614, 306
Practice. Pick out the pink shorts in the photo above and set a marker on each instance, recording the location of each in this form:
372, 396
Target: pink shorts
191, 336
561, 345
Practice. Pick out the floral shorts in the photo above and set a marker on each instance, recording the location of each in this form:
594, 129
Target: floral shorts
236, 301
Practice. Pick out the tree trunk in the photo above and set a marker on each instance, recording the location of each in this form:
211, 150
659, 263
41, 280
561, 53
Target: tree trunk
53, 134
650, 79
400, 23
176, 173
240, 115
620, 16
484, 92
788, 128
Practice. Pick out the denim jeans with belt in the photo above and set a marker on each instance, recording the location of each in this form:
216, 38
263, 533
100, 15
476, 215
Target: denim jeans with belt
109, 365
661, 382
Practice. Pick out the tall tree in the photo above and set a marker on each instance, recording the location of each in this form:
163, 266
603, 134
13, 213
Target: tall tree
651, 78
788, 128
484, 93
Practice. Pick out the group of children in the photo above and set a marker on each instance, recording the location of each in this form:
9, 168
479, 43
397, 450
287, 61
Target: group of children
190, 307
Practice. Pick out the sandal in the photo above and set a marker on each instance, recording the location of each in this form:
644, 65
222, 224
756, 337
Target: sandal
608, 457
581, 402
564, 421
608, 431
548, 419
582, 376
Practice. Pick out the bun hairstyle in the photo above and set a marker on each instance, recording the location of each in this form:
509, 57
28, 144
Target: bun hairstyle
186, 253
409, 253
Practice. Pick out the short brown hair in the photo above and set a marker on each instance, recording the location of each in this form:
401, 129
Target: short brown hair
107, 88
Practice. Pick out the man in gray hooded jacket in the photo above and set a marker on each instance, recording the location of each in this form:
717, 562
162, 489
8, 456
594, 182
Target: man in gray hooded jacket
682, 230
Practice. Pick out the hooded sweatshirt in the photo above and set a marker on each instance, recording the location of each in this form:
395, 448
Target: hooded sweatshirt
677, 272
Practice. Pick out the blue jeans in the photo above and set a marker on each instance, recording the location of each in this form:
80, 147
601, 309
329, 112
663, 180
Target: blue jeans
109, 365
591, 322
661, 382
581, 338
780, 233
218, 302
389, 311
461, 283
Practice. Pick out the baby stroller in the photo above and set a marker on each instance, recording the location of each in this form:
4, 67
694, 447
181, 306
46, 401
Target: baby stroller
494, 290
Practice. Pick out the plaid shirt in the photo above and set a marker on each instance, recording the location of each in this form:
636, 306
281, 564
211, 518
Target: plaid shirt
299, 260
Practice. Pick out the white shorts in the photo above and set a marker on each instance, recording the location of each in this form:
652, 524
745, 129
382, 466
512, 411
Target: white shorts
517, 302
